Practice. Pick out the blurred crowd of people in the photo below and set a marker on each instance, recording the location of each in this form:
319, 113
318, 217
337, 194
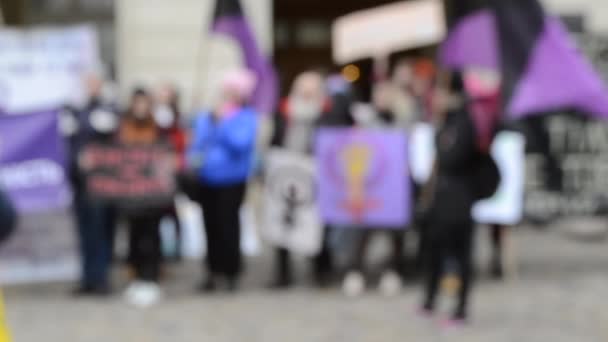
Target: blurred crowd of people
217, 156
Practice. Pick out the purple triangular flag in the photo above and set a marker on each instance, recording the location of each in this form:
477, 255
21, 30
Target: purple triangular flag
558, 77
473, 42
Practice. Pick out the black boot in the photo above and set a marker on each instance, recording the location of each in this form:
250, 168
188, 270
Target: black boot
280, 283
232, 284
496, 269
208, 286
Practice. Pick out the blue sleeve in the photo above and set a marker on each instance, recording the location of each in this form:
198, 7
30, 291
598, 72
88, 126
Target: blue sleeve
239, 136
200, 136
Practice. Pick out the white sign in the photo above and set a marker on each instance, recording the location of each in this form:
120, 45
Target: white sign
43, 68
506, 206
291, 218
389, 28
508, 150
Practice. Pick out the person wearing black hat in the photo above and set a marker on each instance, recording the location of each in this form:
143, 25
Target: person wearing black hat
449, 225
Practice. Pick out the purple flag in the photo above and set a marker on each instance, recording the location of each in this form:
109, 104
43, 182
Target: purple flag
472, 43
230, 20
363, 178
542, 69
32, 162
558, 76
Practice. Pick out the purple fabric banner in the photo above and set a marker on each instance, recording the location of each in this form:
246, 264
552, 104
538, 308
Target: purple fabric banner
32, 162
363, 178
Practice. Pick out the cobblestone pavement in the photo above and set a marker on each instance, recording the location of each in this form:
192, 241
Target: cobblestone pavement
557, 294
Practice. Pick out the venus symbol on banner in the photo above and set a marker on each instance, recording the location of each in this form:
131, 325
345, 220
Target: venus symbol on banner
363, 179
290, 207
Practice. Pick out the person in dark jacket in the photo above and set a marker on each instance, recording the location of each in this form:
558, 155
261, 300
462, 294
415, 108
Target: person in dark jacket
95, 122
377, 116
8, 222
222, 152
8, 217
295, 127
450, 225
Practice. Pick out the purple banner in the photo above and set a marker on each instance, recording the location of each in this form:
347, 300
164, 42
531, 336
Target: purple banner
32, 162
363, 178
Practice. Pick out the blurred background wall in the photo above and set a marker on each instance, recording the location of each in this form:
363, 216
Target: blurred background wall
159, 40
594, 13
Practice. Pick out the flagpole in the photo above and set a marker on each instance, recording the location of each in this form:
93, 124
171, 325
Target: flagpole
1, 15
201, 68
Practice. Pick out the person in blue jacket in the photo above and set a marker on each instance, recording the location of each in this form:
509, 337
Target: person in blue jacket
222, 154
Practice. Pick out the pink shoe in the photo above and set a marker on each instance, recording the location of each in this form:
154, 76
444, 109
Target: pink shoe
453, 324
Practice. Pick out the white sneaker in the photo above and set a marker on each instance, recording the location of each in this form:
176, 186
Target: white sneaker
353, 284
390, 284
143, 294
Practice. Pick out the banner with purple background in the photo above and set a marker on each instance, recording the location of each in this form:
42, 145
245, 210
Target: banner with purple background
33, 175
40, 71
363, 178
32, 160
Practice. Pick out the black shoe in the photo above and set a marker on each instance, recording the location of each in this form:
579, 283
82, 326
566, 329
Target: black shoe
232, 284
92, 291
280, 284
459, 315
208, 286
496, 270
323, 280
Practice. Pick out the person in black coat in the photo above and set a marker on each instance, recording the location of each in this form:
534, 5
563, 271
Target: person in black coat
450, 226
294, 128
96, 121
8, 217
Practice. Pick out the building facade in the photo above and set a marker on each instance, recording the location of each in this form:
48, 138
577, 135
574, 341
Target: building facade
159, 40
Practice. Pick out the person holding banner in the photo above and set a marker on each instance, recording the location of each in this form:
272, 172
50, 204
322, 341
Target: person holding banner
96, 121
379, 116
222, 153
138, 128
294, 131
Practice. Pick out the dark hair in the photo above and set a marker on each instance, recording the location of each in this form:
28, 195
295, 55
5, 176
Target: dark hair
457, 82
174, 102
139, 91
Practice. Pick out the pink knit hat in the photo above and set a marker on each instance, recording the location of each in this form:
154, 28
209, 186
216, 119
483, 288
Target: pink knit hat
239, 81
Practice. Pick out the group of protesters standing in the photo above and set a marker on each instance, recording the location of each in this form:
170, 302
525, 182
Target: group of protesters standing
217, 154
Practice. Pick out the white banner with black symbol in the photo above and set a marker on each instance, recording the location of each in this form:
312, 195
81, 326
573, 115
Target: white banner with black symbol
291, 217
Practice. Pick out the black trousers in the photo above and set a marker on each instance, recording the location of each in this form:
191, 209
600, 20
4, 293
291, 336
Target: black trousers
450, 242
322, 263
95, 223
496, 239
146, 254
395, 262
221, 206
